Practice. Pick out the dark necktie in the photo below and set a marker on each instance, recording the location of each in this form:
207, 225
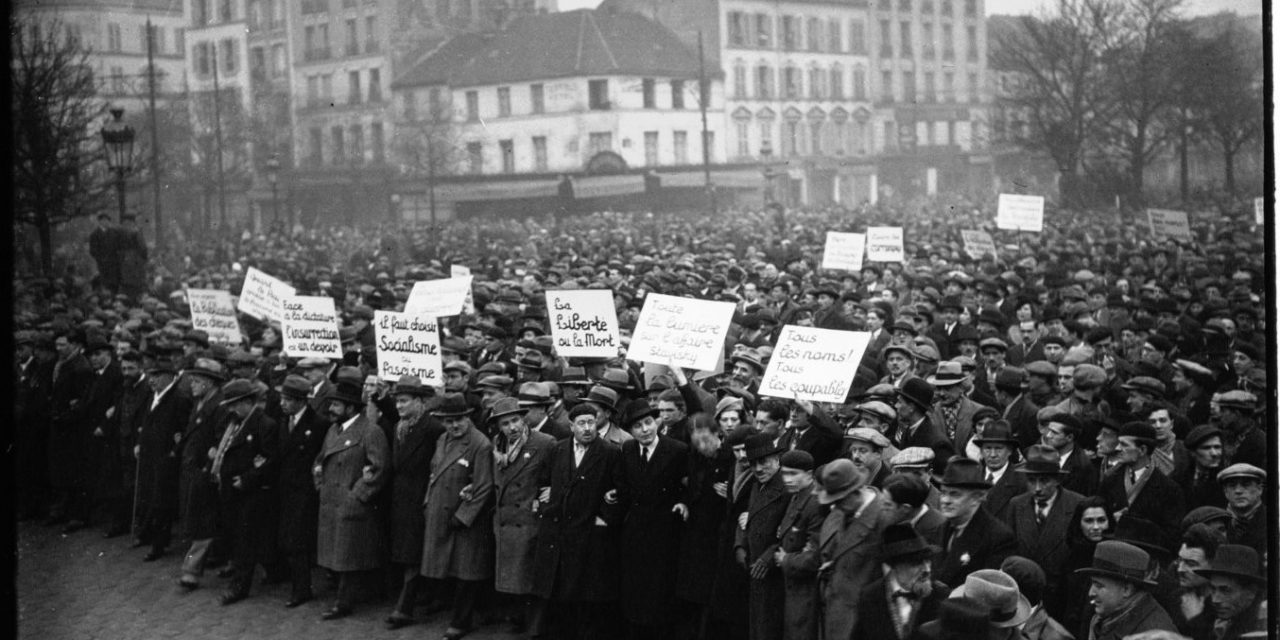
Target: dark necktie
909, 595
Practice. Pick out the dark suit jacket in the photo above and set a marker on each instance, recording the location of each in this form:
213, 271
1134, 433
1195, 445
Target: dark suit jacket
650, 531
1083, 477
410, 471
1011, 484
576, 558
926, 435
931, 526
253, 456
1021, 416
1160, 501
821, 440
875, 621
158, 436
296, 489
983, 544
1046, 544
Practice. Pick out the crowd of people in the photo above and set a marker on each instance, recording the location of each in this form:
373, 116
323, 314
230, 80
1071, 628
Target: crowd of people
1067, 439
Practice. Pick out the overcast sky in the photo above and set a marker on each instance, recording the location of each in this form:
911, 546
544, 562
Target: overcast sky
1193, 7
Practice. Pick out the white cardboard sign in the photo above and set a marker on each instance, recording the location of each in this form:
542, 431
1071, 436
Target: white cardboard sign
1020, 213
213, 313
814, 364
310, 327
261, 295
468, 304
684, 331
408, 345
439, 298
844, 251
1259, 211
978, 244
884, 244
1167, 223
583, 323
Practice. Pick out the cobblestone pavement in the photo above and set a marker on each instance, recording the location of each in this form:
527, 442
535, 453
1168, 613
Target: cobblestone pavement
84, 587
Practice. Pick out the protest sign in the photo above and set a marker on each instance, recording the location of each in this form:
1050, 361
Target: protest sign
408, 345
213, 313
1259, 211
262, 294
468, 303
687, 332
844, 251
1166, 223
1020, 213
439, 298
310, 327
978, 244
884, 244
584, 323
814, 364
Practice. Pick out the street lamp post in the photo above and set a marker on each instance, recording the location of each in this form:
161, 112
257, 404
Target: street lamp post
766, 152
273, 177
117, 140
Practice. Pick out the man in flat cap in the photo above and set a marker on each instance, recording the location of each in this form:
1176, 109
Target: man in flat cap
1243, 484
1243, 440
797, 553
199, 490
865, 447
316, 371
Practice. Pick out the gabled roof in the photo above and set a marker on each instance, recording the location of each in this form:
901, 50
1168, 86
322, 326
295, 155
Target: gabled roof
585, 42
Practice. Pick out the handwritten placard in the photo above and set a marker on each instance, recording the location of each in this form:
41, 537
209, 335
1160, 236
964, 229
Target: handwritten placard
261, 295
468, 303
439, 298
584, 323
814, 364
1259, 211
1020, 213
310, 327
213, 313
844, 250
884, 244
687, 332
1167, 223
978, 244
408, 345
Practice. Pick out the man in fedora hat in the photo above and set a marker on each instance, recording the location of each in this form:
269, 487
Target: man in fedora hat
907, 596
650, 489
997, 447
1238, 588
915, 428
747, 369
1041, 518
1139, 488
795, 554
1007, 608
604, 401
536, 400
458, 541
972, 539
952, 410
350, 472
413, 443
126, 414
244, 466
1030, 579
302, 433
1120, 591
958, 619
756, 538
199, 500
159, 433
847, 544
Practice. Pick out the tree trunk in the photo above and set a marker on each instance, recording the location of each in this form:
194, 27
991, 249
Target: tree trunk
45, 229
1182, 164
1229, 170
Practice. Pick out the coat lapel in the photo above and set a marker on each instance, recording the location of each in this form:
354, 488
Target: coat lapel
449, 455
338, 440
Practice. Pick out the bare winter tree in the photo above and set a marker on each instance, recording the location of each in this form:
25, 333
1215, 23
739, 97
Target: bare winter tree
427, 143
1230, 76
58, 171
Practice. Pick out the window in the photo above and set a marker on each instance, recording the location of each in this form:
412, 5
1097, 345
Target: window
904, 5
353, 87
504, 102
930, 95
646, 89
536, 98
339, 146
203, 57
790, 138
949, 87
837, 82
475, 157
436, 105
792, 82
764, 30
225, 11
970, 8
788, 33
117, 80
860, 145
317, 146
508, 151
814, 35
410, 106
179, 40
473, 106
974, 92
905, 29
313, 91
951, 132
277, 60
370, 34
737, 30
357, 143
600, 141
886, 86
143, 42
971, 43
764, 82
598, 91
680, 145
890, 138
815, 138
908, 86
230, 57
651, 148
258, 62
677, 94
766, 138
815, 83
353, 38
540, 153
113, 37
886, 39
926, 38
834, 42
200, 12
840, 138
947, 8
744, 141
375, 85
857, 37
709, 144
859, 83
326, 87
739, 80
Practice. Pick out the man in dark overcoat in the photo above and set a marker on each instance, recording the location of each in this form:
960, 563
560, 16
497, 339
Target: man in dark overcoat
68, 437
654, 469
972, 538
198, 501
99, 447
135, 397
157, 453
412, 446
907, 596
1041, 519
302, 434
797, 553
576, 562
756, 538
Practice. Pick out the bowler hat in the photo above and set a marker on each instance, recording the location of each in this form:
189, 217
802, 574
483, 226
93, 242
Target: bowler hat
951, 302
999, 592
1041, 460
761, 445
1237, 561
637, 410
345, 392
295, 386
238, 389
902, 542
917, 392
412, 386
505, 407
998, 432
839, 479
1122, 561
453, 405
963, 473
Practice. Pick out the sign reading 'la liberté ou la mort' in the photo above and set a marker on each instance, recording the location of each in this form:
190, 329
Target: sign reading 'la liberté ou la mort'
681, 331
213, 313
408, 345
814, 364
310, 327
1020, 213
262, 295
584, 323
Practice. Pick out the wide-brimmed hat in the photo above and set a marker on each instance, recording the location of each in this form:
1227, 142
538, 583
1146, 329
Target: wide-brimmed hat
1042, 460
411, 385
958, 619
998, 591
238, 389
963, 473
617, 380
452, 405
637, 410
918, 392
1122, 561
1237, 561
948, 373
839, 478
210, 369
998, 432
163, 364
903, 542
345, 392
295, 386
506, 407
602, 396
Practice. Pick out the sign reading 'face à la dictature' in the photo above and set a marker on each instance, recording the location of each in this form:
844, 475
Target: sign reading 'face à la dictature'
310, 327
